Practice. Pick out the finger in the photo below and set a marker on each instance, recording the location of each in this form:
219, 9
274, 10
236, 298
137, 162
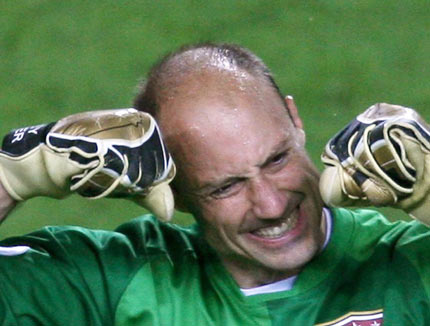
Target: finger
346, 141
65, 143
337, 188
159, 201
377, 156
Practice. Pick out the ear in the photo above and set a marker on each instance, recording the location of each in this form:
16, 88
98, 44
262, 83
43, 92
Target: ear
294, 114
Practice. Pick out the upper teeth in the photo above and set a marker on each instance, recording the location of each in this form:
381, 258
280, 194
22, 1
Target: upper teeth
279, 230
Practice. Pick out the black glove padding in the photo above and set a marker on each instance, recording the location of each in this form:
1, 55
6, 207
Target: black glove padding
380, 159
114, 153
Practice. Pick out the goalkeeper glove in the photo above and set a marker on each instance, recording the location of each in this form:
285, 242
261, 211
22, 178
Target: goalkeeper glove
381, 158
110, 153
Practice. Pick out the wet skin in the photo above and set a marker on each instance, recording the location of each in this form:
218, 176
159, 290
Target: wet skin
245, 175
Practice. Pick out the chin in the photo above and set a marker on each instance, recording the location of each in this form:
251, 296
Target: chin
293, 260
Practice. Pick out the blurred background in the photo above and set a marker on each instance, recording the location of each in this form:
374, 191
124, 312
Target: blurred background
335, 57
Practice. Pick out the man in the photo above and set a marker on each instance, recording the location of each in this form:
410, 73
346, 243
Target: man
264, 250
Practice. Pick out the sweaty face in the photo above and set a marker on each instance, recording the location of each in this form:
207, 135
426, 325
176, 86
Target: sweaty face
244, 174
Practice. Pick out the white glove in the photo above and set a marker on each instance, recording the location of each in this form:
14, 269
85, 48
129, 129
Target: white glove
110, 153
381, 158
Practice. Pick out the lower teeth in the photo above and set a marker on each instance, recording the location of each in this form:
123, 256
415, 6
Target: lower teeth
277, 231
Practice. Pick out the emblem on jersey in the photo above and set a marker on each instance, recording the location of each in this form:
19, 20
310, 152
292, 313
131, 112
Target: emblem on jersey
358, 318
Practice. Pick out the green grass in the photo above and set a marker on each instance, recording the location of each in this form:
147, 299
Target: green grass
335, 57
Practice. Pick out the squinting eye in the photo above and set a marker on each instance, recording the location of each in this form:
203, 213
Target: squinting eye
279, 158
226, 190
222, 191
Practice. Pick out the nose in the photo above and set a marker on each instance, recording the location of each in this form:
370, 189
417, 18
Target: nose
268, 201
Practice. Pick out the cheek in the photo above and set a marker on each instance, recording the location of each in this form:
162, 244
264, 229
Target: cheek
298, 175
303, 177
226, 214
217, 223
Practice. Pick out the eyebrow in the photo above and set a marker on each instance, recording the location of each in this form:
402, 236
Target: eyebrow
280, 148
211, 186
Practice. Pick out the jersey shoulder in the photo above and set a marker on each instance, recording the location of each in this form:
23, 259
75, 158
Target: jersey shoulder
142, 236
88, 269
148, 235
372, 227
401, 240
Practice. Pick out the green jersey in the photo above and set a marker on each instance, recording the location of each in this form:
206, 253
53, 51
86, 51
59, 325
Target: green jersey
371, 273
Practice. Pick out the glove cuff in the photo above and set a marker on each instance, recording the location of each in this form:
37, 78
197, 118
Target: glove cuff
28, 176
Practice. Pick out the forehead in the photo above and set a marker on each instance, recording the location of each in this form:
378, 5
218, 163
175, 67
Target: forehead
224, 127
213, 95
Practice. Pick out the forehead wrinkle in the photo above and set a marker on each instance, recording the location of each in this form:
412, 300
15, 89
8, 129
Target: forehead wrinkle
283, 145
188, 120
185, 126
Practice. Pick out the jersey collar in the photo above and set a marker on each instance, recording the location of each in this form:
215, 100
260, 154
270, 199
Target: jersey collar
311, 276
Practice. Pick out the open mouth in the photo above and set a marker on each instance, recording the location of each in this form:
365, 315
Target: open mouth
279, 230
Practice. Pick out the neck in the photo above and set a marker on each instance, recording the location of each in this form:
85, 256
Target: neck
248, 275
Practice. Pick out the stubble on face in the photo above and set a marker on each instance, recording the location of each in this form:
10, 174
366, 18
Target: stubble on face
220, 128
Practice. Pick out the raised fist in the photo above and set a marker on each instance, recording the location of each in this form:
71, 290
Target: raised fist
381, 158
110, 153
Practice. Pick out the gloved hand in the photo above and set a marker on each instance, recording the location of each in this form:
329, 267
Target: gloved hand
110, 153
381, 158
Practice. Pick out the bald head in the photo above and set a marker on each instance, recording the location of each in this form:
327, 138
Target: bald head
242, 167
194, 66
207, 97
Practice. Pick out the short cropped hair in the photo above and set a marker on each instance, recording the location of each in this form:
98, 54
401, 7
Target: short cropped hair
189, 59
